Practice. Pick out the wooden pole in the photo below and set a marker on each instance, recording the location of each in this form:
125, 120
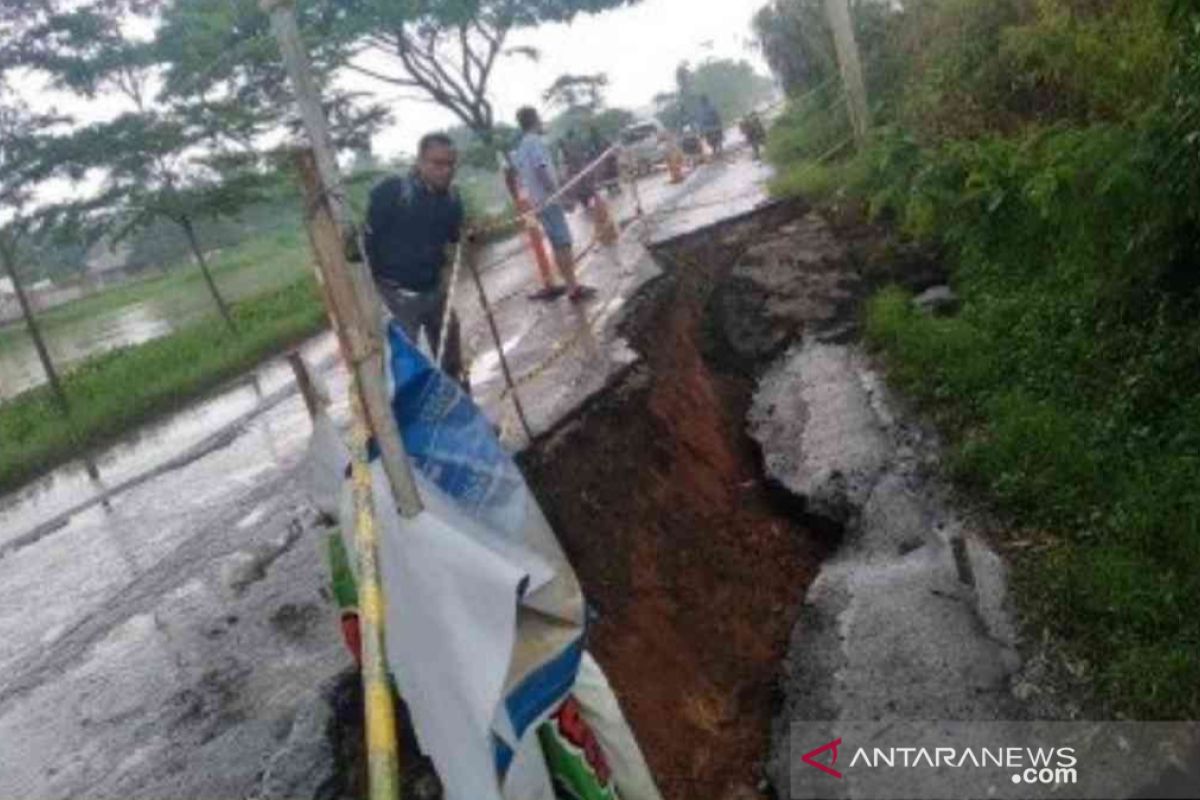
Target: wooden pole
313, 401
349, 288
850, 65
361, 331
468, 255
35, 332
354, 308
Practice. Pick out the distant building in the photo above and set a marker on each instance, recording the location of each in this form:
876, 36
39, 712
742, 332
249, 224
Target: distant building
6, 287
107, 263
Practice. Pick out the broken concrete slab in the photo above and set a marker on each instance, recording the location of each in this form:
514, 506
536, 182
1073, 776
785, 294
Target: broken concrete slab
888, 629
819, 436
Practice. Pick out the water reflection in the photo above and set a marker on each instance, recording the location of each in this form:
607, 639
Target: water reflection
70, 343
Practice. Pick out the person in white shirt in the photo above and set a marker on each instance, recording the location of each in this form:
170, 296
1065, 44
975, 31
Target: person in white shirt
535, 165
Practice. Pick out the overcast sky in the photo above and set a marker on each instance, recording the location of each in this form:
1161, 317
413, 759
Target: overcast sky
638, 47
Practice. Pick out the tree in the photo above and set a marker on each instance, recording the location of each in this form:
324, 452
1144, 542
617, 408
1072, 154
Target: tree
733, 87
180, 162
443, 50
481, 155
797, 42
796, 38
612, 121
188, 146
27, 159
668, 107
578, 94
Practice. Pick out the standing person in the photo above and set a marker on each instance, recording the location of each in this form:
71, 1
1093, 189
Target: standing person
536, 167
711, 125
755, 133
609, 173
575, 159
412, 222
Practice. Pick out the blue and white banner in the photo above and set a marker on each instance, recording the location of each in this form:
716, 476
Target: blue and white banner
484, 616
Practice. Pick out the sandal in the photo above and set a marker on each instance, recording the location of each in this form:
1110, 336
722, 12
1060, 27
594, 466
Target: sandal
581, 293
548, 293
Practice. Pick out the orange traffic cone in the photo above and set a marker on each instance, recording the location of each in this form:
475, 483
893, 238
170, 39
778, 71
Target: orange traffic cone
538, 244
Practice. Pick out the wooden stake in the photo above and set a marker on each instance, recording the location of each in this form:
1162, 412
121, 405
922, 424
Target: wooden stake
468, 255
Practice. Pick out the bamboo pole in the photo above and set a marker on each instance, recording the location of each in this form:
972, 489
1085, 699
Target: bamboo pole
383, 752
354, 309
468, 255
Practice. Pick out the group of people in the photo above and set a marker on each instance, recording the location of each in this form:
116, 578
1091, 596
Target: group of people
414, 219
578, 154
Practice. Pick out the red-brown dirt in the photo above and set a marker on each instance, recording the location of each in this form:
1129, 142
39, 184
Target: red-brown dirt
695, 574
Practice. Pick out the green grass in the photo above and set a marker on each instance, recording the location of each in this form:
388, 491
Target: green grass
264, 264
113, 392
1109, 495
1051, 154
1069, 385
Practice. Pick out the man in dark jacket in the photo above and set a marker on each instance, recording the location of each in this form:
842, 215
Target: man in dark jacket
412, 221
711, 125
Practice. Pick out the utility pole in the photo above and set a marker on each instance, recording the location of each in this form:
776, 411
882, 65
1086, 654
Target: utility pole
35, 333
850, 65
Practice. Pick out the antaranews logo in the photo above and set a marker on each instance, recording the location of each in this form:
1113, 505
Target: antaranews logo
1035, 765
919, 764
889, 759
810, 757
1029, 765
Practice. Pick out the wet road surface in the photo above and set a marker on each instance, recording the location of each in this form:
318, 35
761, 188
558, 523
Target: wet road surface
166, 630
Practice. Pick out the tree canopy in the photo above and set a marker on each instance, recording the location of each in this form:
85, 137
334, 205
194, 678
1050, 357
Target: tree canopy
578, 93
732, 86
443, 50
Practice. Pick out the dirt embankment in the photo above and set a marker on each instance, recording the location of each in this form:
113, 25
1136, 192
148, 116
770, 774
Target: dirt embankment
693, 565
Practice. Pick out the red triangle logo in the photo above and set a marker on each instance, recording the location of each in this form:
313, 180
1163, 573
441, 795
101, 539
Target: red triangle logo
810, 757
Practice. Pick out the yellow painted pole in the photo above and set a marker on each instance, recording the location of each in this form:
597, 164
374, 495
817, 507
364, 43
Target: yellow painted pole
383, 756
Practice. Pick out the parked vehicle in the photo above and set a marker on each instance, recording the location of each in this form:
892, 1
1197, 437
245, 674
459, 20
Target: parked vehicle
644, 146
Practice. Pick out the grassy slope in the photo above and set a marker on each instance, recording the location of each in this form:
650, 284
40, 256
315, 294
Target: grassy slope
1069, 384
265, 264
115, 391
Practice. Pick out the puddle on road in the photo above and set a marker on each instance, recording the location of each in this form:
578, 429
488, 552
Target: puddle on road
158, 443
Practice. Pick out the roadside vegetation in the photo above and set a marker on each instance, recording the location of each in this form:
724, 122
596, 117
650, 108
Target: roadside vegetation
265, 263
118, 390
274, 304
1052, 151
